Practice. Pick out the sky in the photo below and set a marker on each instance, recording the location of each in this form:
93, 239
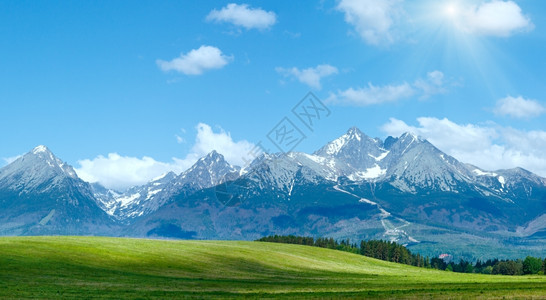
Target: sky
127, 90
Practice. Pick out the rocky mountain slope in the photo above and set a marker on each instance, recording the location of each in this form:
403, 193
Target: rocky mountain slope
40, 194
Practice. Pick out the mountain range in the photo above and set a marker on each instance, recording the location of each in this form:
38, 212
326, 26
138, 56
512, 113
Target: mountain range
401, 189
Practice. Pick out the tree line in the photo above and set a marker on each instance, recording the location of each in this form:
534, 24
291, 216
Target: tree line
393, 252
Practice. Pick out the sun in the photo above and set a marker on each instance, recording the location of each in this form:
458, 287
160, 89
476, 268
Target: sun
451, 10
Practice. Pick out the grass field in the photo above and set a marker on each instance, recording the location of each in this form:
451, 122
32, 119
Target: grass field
91, 267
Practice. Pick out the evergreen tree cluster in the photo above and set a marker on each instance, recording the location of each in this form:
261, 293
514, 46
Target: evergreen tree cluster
393, 252
384, 250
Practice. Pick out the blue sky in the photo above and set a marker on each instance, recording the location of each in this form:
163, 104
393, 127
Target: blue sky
125, 90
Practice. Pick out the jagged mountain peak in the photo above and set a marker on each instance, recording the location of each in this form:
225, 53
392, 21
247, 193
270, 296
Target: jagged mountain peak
43, 195
213, 160
355, 149
405, 138
354, 132
213, 156
351, 141
410, 135
36, 167
405, 142
208, 171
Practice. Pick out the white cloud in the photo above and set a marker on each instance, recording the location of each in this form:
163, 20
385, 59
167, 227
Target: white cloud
372, 19
495, 18
309, 76
243, 16
371, 94
221, 141
121, 172
518, 107
196, 61
487, 146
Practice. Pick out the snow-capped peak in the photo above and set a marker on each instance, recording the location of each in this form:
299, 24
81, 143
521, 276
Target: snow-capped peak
211, 159
208, 171
335, 146
40, 149
354, 149
410, 135
37, 167
355, 133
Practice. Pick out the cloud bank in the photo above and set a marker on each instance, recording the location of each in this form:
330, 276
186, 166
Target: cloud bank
487, 146
120, 172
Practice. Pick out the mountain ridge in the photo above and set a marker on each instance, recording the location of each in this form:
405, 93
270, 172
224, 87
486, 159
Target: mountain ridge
397, 189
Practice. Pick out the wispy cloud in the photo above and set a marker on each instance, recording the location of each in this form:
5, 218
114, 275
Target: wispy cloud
243, 16
371, 94
432, 85
518, 107
196, 61
423, 88
9, 160
488, 146
120, 172
309, 76
179, 138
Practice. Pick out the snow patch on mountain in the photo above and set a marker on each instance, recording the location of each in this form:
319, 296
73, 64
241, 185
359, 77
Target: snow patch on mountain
39, 149
392, 232
126, 200
380, 157
502, 181
482, 173
370, 173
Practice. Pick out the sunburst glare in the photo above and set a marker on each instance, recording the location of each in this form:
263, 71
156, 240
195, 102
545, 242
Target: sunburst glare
451, 10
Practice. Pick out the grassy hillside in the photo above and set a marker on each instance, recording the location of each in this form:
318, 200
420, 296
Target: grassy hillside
51, 267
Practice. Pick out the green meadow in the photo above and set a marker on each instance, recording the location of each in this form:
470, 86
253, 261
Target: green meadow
97, 267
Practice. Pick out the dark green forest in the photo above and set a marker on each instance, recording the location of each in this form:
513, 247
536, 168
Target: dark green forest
393, 252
